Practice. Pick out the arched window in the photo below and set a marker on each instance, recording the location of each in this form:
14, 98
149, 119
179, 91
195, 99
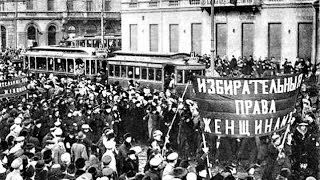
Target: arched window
31, 33
3, 37
51, 35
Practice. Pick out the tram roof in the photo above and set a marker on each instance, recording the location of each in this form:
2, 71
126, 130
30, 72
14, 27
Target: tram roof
94, 37
87, 50
155, 58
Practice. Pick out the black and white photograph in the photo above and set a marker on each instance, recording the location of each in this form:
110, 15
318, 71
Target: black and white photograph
159, 90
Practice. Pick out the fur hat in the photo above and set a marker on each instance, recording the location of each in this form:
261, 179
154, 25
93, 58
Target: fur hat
80, 163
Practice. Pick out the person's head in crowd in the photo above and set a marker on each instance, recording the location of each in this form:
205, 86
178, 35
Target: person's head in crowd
66, 158
48, 156
155, 162
85, 128
127, 137
80, 163
71, 169
108, 172
276, 139
173, 158
302, 127
17, 164
157, 135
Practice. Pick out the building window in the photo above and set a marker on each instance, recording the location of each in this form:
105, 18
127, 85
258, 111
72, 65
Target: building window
304, 40
29, 4
31, 33
52, 35
50, 5
3, 37
221, 39
89, 5
274, 40
70, 5
247, 39
196, 34
107, 5
133, 37
174, 37
154, 36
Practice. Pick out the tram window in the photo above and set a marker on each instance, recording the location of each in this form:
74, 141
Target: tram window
32, 63
111, 70
151, 74
179, 76
50, 64
70, 65
130, 72
99, 66
144, 73
117, 70
187, 76
123, 71
93, 66
79, 68
87, 66
82, 43
60, 64
137, 72
41, 63
158, 74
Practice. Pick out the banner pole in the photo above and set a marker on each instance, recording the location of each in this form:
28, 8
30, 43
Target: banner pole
171, 124
207, 156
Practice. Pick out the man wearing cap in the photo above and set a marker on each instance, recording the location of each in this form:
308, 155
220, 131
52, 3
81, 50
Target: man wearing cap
172, 160
123, 151
78, 149
17, 167
19, 142
154, 172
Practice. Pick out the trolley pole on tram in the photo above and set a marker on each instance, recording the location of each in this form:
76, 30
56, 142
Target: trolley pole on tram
102, 26
212, 66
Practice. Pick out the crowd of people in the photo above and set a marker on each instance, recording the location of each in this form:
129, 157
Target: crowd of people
255, 68
89, 129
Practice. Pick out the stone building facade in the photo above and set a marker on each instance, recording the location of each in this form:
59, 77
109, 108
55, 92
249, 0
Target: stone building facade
261, 28
47, 22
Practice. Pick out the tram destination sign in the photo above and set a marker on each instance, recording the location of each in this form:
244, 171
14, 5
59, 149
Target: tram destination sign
241, 107
13, 87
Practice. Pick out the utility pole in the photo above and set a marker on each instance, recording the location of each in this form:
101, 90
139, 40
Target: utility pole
102, 26
212, 67
16, 25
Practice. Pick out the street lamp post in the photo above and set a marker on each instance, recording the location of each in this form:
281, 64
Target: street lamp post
212, 39
102, 26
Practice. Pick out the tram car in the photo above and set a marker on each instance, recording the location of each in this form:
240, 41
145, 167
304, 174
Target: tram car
65, 61
154, 70
111, 43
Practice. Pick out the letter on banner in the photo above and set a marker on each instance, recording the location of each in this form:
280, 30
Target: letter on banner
212, 89
207, 125
239, 106
217, 123
244, 127
268, 125
277, 126
230, 127
258, 126
202, 85
236, 86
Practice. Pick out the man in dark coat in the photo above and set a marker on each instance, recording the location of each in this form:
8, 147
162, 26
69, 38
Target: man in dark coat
124, 149
131, 164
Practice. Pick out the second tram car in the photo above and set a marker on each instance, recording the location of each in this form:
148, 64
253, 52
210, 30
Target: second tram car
62, 61
153, 69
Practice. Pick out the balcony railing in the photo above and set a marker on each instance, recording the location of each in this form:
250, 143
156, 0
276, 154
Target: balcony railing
173, 3
194, 2
133, 5
153, 4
